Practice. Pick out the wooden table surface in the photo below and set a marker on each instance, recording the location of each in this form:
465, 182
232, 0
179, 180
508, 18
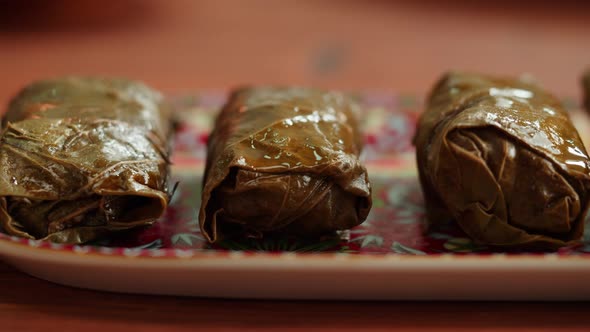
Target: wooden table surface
183, 46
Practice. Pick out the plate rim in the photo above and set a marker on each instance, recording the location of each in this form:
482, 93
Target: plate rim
13, 247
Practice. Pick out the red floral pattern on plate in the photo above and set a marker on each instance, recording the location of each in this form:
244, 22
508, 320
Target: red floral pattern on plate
396, 224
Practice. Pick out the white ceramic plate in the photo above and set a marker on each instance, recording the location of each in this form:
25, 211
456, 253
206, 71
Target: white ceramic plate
306, 276
388, 257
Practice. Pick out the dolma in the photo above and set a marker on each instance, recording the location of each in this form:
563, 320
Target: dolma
286, 161
502, 158
83, 157
586, 84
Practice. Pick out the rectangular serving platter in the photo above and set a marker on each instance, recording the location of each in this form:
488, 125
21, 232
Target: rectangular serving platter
389, 257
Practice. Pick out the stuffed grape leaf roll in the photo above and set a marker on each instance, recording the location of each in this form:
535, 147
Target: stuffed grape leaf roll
502, 158
284, 160
586, 85
83, 157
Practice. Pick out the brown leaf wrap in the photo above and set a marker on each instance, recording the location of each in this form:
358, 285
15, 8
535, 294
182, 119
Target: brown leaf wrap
83, 157
502, 158
586, 85
284, 160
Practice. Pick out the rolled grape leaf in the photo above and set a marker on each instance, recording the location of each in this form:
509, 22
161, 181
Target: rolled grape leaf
502, 158
81, 158
284, 160
586, 84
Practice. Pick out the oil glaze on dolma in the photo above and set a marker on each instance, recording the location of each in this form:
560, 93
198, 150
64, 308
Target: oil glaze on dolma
502, 158
81, 158
284, 160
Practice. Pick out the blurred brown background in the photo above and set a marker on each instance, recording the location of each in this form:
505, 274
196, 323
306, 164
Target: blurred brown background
184, 45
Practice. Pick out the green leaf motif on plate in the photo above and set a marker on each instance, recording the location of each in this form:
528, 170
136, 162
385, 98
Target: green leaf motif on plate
402, 249
462, 244
369, 240
186, 238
